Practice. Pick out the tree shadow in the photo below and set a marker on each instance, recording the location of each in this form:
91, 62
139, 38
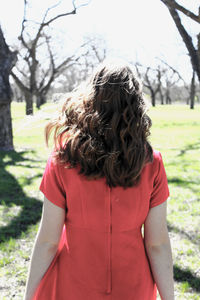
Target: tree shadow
189, 147
180, 181
189, 236
180, 155
181, 275
185, 183
186, 275
11, 193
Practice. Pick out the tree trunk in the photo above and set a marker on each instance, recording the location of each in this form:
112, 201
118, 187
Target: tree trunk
153, 98
7, 60
161, 97
192, 91
43, 100
168, 98
40, 100
6, 137
29, 103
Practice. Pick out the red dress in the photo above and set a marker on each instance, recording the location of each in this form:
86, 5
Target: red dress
101, 255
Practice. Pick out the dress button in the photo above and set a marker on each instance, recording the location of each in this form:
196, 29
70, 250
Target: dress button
116, 199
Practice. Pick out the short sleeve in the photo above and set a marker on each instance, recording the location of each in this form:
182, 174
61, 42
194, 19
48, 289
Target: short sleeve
51, 185
160, 191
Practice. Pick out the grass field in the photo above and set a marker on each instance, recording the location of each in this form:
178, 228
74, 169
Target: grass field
175, 132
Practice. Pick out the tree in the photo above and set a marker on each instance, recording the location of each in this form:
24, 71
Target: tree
151, 80
194, 52
170, 78
7, 60
174, 78
32, 75
160, 80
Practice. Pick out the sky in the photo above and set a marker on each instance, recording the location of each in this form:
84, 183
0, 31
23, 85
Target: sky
133, 30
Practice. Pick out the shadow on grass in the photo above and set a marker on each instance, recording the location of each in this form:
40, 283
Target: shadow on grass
189, 147
11, 193
180, 181
189, 236
184, 183
181, 275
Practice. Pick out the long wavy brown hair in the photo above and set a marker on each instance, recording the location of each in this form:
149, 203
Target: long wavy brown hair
103, 127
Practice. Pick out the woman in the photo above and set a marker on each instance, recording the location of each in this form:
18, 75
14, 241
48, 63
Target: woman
102, 183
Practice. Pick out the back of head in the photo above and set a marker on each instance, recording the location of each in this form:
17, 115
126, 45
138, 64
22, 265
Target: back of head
104, 127
113, 82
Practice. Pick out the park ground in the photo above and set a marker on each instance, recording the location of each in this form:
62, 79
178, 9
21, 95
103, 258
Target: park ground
175, 132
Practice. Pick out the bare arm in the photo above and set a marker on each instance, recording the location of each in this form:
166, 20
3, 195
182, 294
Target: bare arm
46, 245
158, 249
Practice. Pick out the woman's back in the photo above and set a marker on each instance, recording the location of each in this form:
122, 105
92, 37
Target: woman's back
103, 251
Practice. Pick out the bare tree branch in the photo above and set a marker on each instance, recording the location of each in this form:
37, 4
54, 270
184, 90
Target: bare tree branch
187, 12
25, 75
62, 15
19, 83
21, 37
174, 71
194, 54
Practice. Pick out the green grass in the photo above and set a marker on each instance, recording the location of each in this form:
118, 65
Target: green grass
175, 132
